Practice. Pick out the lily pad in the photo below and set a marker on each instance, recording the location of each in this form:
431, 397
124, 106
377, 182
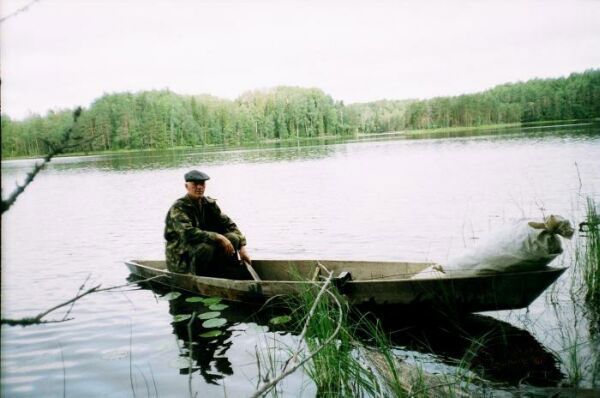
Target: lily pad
214, 323
194, 299
211, 300
171, 296
209, 315
280, 320
211, 333
181, 317
218, 307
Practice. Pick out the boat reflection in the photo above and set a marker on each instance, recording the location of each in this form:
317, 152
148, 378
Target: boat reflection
495, 350
209, 354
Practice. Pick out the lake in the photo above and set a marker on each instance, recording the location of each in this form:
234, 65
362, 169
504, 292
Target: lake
366, 199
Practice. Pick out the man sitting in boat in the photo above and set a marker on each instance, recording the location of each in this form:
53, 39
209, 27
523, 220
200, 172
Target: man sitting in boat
200, 238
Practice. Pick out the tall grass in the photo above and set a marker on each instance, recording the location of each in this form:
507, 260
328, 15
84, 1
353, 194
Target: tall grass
361, 361
578, 319
591, 278
336, 369
591, 268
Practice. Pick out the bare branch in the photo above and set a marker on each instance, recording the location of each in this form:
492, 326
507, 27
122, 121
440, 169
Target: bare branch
578, 177
38, 318
310, 315
268, 386
79, 291
20, 10
54, 150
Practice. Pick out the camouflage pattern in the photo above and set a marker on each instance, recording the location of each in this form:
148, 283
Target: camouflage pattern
191, 229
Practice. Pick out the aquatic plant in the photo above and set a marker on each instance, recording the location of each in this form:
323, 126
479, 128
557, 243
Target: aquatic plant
171, 296
336, 369
181, 317
361, 360
591, 279
390, 377
591, 270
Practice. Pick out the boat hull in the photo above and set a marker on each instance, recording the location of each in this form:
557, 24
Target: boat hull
373, 283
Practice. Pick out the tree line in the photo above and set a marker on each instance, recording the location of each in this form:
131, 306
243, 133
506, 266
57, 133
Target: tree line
163, 119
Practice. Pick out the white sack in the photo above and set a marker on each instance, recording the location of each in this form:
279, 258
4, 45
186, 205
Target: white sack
524, 245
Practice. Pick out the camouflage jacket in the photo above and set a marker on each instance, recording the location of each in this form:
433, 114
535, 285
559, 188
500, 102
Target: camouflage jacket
189, 223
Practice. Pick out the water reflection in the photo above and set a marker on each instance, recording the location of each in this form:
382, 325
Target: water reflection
496, 350
571, 131
175, 158
316, 148
398, 200
208, 355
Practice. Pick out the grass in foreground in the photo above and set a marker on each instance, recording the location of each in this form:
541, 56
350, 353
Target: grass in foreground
336, 369
578, 328
351, 366
591, 268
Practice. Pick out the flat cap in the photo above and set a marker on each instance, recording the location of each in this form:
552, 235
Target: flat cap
196, 175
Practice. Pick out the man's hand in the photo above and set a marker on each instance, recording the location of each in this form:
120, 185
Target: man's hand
244, 255
227, 246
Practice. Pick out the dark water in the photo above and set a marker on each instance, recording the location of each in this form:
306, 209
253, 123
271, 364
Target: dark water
386, 199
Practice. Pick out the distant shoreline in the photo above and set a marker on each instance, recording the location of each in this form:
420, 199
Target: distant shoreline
408, 134
166, 120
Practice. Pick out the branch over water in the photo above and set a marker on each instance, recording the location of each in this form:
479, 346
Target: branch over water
54, 150
39, 317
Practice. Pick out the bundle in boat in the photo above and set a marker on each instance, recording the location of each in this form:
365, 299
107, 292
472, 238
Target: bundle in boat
524, 245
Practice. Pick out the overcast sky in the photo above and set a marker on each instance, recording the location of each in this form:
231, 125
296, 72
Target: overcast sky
64, 53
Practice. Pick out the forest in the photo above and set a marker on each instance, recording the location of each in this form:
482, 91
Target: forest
163, 119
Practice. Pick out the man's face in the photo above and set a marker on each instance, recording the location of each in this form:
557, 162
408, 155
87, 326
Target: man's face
195, 189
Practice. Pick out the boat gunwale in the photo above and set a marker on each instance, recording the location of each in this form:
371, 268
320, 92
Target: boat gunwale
463, 274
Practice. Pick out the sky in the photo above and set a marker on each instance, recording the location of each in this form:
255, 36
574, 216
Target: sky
60, 54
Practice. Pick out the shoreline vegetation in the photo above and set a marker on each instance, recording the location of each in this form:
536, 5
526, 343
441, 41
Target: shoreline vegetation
163, 120
408, 134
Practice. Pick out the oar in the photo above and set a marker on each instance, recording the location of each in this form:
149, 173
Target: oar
248, 267
252, 271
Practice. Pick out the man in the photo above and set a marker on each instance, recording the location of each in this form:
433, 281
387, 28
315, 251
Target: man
200, 238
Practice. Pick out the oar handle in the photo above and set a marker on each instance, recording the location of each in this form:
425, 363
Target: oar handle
252, 271
248, 267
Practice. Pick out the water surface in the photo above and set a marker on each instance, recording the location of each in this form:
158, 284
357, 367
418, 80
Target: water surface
385, 199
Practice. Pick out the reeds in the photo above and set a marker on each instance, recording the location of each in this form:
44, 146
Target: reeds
591, 279
578, 327
361, 360
336, 369
591, 268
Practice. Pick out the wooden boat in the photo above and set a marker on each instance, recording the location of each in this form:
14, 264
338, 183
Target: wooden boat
365, 283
